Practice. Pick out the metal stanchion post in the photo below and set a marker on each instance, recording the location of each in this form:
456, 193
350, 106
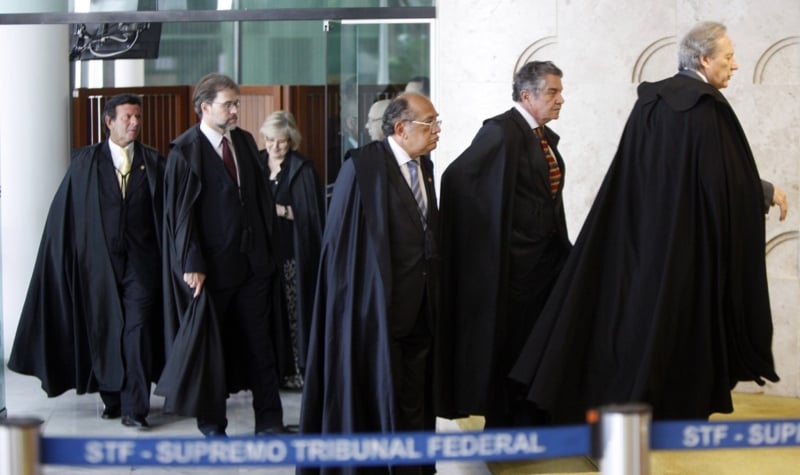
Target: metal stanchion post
19, 446
622, 439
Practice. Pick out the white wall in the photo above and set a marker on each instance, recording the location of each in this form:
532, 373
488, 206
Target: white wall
605, 48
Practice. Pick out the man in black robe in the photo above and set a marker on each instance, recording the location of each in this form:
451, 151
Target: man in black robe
370, 357
664, 298
92, 317
220, 268
504, 238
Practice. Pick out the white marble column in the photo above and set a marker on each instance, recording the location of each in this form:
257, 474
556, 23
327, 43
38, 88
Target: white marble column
34, 148
129, 73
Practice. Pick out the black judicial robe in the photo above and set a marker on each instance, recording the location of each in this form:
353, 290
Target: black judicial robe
308, 205
475, 215
664, 297
352, 391
70, 331
196, 374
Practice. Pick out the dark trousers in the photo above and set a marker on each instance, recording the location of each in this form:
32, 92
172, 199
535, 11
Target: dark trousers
529, 288
410, 356
138, 303
411, 376
244, 313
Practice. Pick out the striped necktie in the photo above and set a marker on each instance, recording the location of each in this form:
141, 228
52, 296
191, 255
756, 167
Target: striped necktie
552, 163
416, 189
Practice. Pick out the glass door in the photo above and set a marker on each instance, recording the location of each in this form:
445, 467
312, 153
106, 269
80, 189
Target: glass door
333, 128
369, 61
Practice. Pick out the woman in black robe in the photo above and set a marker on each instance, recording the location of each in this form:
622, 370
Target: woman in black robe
299, 205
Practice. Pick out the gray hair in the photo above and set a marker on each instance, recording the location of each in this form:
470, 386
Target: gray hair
701, 40
282, 123
531, 77
397, 111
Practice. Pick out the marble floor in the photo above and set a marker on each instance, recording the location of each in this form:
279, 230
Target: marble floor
747, 406
73, 415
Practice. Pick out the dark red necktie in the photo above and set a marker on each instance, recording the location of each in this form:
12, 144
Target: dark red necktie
227, 159
552, 163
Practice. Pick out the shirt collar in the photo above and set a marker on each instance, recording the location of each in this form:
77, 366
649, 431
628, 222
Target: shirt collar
116, 152
526, 115
213, 136
400, 155
117, 148
699, 74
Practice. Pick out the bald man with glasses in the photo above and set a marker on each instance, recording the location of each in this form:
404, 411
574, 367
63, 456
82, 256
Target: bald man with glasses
370, 359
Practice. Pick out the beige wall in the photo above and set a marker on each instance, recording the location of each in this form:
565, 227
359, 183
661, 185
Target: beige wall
605, 48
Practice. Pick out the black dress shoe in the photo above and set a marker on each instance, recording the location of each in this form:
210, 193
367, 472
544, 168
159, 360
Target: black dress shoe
111, 412
215, 433
135, 421
275, 430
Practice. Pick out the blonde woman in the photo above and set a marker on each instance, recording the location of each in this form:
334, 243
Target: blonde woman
299, 205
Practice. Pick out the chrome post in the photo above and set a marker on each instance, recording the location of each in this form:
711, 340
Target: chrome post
623, 438
19, 446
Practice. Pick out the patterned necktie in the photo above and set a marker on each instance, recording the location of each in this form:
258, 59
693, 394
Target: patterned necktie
416, 189
552, 163
227, 159
123, 171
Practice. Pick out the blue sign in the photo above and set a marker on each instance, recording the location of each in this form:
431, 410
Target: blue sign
403, 448
361, 449
725, 435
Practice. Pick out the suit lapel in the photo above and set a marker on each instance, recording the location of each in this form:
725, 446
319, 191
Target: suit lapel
137, 175
401, 189
430, 189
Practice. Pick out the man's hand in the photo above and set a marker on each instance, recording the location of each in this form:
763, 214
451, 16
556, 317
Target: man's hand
779, 199
195, 280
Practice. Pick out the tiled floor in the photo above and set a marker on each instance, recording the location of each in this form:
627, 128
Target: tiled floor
73, 415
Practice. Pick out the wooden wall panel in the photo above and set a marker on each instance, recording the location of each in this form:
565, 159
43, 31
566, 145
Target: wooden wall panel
307, 104
166, 113
258, 102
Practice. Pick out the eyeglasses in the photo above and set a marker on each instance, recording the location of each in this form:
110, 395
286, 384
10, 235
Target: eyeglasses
230, 104
437, 123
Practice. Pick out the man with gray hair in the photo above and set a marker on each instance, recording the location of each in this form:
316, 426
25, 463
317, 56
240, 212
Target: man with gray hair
369, 365
504, 240
664, 297
701, 41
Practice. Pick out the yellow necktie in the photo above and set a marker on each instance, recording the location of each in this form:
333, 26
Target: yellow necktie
123, 171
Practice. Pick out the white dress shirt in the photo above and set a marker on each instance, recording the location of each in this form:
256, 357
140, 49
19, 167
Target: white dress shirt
216, 140
403, 158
